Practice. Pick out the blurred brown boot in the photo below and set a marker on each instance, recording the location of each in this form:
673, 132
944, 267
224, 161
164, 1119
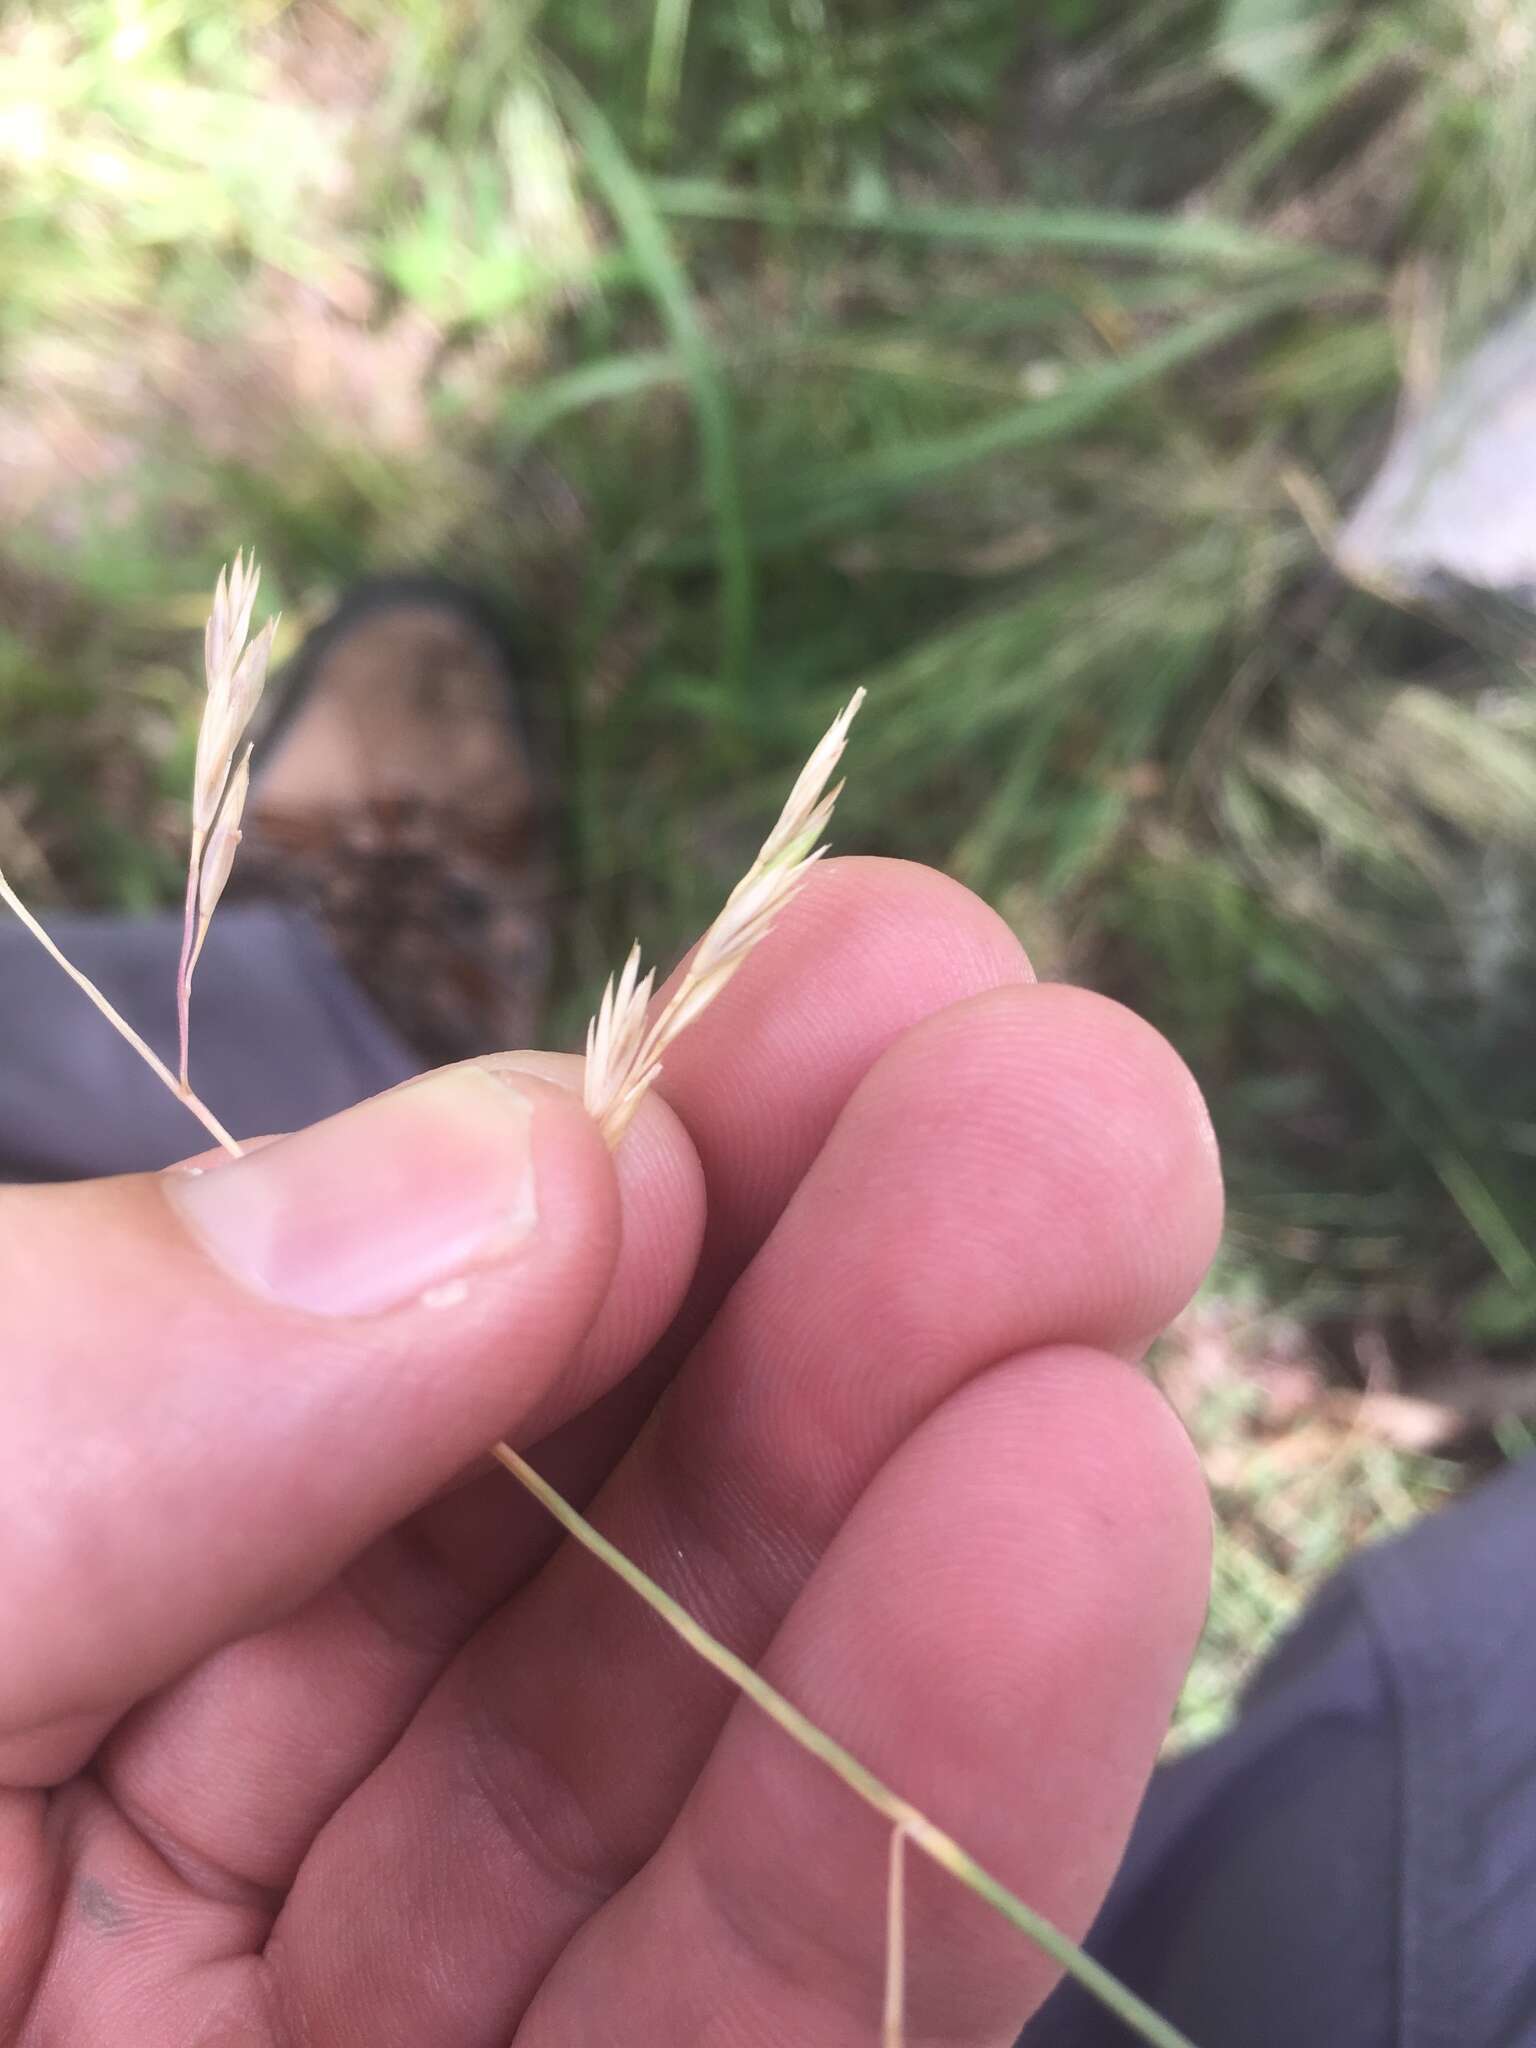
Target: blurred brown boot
395, 799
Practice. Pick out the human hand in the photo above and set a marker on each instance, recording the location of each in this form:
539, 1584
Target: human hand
309, 1737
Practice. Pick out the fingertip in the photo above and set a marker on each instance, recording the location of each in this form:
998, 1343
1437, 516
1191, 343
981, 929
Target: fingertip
1065, 1111
661, 1197
1141, 1096
656, 1163
580, 1217
1062, 1470
1129, 1518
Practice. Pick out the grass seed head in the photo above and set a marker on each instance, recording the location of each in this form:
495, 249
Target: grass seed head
623, 1055
236, 676
219, 855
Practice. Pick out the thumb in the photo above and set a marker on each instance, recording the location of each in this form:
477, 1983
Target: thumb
222, 1382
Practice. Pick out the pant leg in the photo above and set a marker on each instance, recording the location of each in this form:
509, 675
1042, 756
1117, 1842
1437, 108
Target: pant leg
280, 1036
1355, 1862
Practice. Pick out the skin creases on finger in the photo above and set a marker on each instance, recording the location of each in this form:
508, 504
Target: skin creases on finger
999, 1633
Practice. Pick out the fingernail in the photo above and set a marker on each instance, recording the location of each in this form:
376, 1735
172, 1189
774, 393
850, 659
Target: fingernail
374, 1207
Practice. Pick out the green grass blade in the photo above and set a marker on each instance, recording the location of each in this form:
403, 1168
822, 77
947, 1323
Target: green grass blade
531, 415
833, 495
658, 264
1335, 83
1084, 231
1426, 1100
664, 74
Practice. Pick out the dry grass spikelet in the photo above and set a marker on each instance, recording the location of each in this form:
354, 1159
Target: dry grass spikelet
236, 676
623, 1056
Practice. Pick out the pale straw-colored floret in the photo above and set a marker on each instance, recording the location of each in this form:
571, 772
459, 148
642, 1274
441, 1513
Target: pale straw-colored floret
806, 810
236, 676
219, 856
613, 1042
623, 1053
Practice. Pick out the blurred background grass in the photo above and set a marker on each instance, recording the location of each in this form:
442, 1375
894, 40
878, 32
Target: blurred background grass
1013, 361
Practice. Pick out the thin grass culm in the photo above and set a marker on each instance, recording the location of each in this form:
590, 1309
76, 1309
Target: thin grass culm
625, 1049
893, 2009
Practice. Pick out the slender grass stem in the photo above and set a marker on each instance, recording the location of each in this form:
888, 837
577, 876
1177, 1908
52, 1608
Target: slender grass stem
893, 2012
939, 1847
120, 1024
1088, 231
664, 73
184, 965
660, 269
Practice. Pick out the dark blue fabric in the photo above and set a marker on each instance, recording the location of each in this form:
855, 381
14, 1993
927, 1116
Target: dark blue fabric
280, 1036
1355, 1863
